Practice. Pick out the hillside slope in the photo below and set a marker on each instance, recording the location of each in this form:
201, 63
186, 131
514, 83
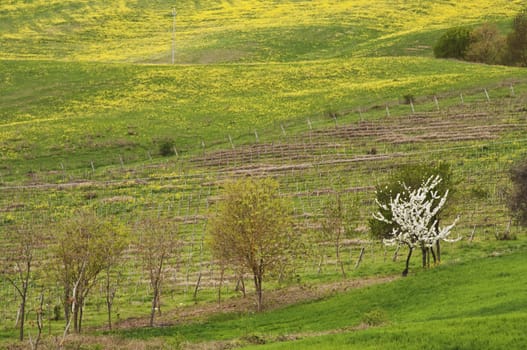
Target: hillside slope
64, 102
471, 305
229, 31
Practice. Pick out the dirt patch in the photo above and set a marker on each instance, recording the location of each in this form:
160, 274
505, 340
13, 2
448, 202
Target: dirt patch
272, 300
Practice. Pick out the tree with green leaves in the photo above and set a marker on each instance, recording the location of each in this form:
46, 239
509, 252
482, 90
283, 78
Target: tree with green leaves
517, 201
87, 244
453, 43
252, 230
402, 182
517, 40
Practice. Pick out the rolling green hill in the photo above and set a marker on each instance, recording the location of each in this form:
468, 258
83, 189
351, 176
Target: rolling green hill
63, 102
229, 31
75, 113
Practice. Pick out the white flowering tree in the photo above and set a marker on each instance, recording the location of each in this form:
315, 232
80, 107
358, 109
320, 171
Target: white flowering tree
414, 219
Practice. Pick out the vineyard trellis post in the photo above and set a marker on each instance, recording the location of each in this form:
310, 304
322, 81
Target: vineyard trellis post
487, 95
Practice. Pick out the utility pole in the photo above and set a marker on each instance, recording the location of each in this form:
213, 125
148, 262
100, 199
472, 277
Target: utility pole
174, 12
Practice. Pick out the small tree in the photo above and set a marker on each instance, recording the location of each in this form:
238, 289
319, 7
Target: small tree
252, 230
111, 257
410, 177
453, 43
517, 200
487, 45
334, 225
17, 262
414, 217
157, 245
517, 40
86, 245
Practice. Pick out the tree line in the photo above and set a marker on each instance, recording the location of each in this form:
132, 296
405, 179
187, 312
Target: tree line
486, 43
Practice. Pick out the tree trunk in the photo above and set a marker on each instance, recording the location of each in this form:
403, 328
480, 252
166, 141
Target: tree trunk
67, 305
76, 317
154, 305
110, 294
428, 257
109, 306
258, 288
81, 310
405, 272
220, 285
433, 255
240, 285
438, 245
196, 289
22, 316
424, 252
340, 264
23, 297
40, 324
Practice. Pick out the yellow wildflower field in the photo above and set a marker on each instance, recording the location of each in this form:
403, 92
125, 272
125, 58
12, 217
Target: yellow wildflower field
141, 31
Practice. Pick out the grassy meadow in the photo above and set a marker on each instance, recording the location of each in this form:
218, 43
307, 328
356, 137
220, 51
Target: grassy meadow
447, 307
312, 93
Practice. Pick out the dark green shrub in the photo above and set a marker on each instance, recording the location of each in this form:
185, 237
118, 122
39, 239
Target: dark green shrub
57, 313
453, 43
505, 236
408, 98
517, 40
166, 147
518, 197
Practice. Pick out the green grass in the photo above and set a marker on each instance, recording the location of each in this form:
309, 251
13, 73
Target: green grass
469, 297
78, 113
489, 332
226, 31
56, 108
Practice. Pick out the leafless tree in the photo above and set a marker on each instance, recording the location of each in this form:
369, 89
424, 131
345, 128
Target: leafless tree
17, 263
157, 246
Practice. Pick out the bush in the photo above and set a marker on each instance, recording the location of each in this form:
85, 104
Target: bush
166, 147
505, 236
375, 317
518, 198
57, 313
408, 99
517, 40
487, 45
453, 43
